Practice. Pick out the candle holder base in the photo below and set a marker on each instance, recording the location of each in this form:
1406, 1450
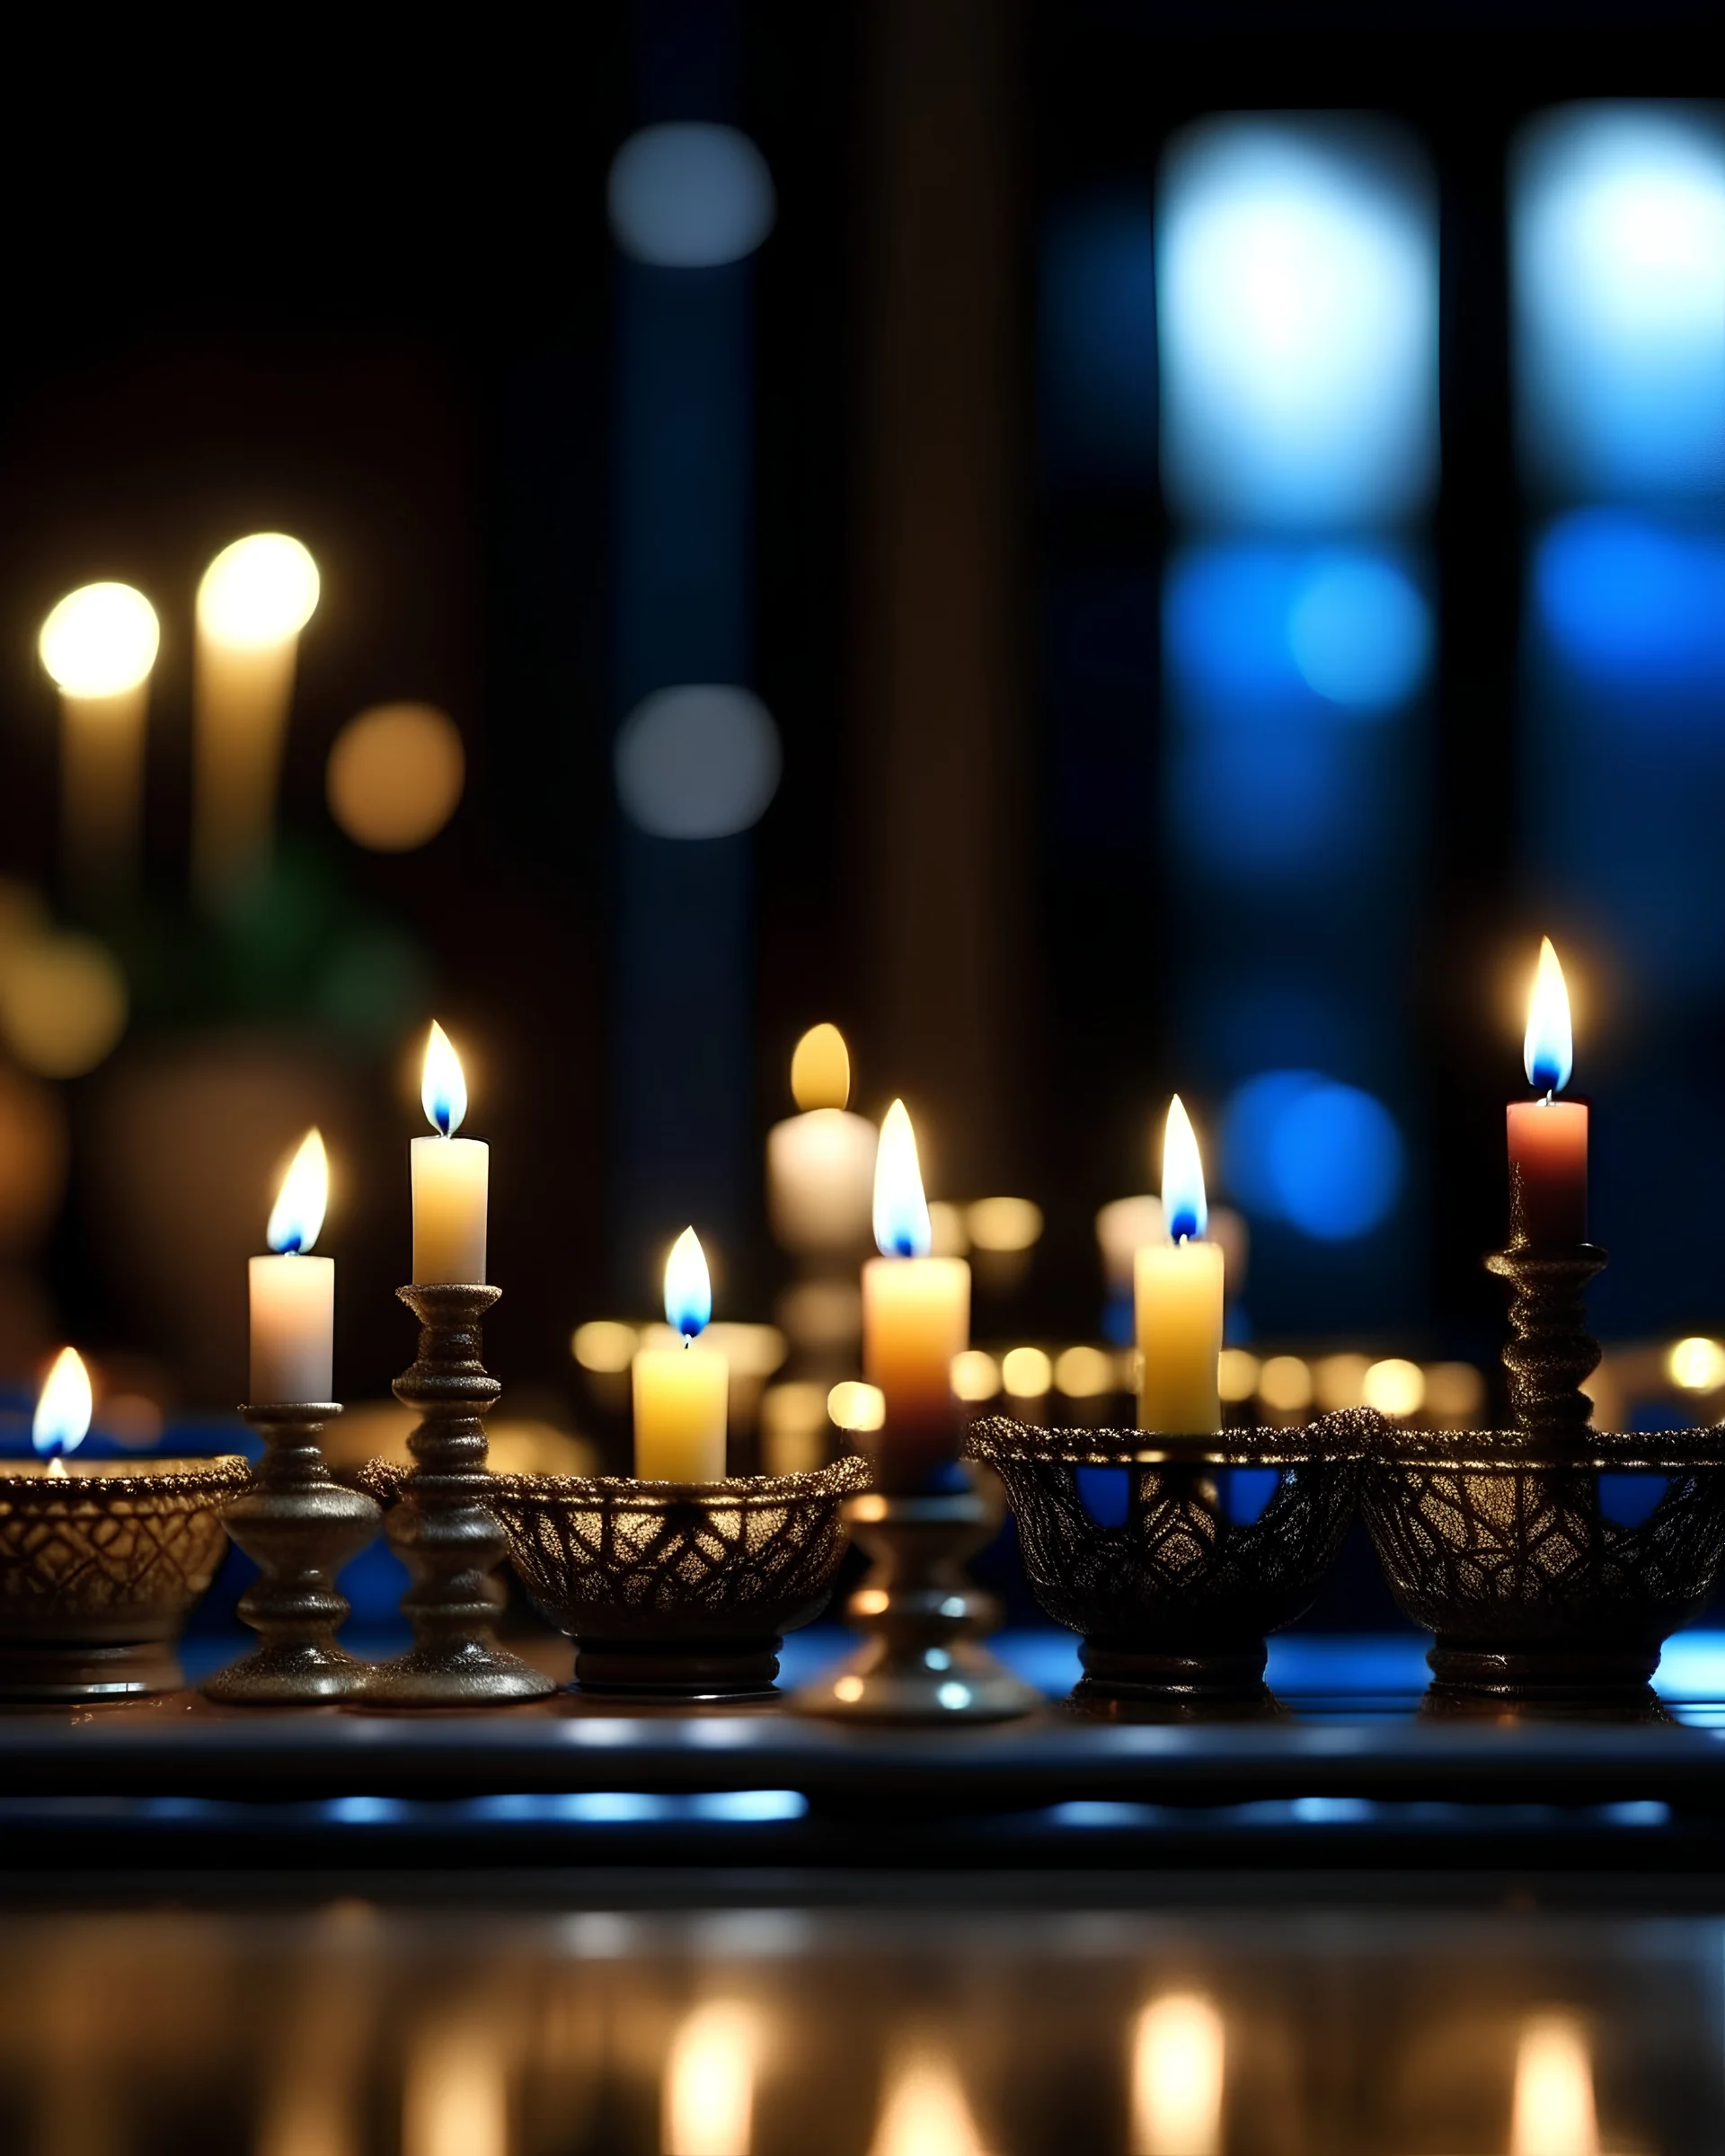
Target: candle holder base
923, 1661
1550, 1350
300, 1527
677, 1591
1171, 1570
47, 1676
442, 1524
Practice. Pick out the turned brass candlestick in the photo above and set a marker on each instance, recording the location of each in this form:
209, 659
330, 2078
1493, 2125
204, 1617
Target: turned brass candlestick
1549, 1352
442, 1525
301, 1527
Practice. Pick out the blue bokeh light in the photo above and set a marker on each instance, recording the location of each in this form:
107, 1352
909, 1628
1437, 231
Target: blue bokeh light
1359, 633
689, 195
1322, 1156
1635, 603
1296, 286
1618, 257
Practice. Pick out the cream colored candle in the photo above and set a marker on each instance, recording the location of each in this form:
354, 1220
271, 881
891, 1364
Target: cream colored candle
681, 1393
293, 1293
820, 1163
255, 598
100, 645
451, 1177
915, 1318
1177, 1293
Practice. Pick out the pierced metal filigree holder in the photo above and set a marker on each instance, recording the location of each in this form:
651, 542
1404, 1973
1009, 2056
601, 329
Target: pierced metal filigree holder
100, 1569
925, 1619
1551, 1560
1174, 1600
301, 1527
442, 1525
677, 1590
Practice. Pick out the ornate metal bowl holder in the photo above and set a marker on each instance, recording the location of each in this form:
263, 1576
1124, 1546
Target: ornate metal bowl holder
100, 1569
677, 1591
1545, 1591
1175, 1599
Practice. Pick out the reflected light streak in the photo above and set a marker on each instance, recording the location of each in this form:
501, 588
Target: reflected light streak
925, 2113
709, 2082
454, 2098
1178, 2055
1553, 2112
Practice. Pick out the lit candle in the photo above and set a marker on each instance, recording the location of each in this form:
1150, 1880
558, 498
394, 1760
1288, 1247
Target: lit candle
1548, 1137
915, 1318
680, 1393
293, 1295
1177, 1296
63, 1411
820, 1163
255, 598
99, 644
451, 1177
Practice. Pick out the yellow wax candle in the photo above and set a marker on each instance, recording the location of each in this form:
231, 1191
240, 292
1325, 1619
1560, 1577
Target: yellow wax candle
915, 1318
1177, 1293
820, 1163
255, 598
100, 646
451, 1177
681, 1393
293, 1295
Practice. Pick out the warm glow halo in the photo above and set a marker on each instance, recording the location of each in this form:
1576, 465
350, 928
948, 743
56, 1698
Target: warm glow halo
1179, 2065
260, 590
820, 1069
443, 1090
688, 1286
63, 1406
1548, 1049
901, 1223
298, 1214
101, 640
1183, 1205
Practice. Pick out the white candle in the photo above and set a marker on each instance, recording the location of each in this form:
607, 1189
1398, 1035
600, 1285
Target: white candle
1178, 1297
100, 645
915, 1318
451, 1177
293, 1293
255, 598
681, 1393
820, 1163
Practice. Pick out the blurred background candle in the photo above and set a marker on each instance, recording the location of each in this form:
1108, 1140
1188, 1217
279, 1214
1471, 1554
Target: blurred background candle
99, 646
451, 1177
1548, 1137
681, 1393
820, 1162
255, 598
1178, 1299
915, 1318
293, 1293
62, 1410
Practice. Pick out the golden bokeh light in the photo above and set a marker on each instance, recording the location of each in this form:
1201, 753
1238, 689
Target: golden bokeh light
1395, 1387
1004, 1224
1455, 1393
101, 640
1237, 1374
1696, 1365
63, 1002
975, 1375
853, 1406
1554, 2114
1084, 1373
1285, 1384
820, 1070
605, 1344
260, 590
709, 2082
1026, 1373
395, 776
1179, 2061
948, 1237
1339, 1380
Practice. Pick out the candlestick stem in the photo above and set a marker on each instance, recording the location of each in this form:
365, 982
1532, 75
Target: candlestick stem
442, 1525
1550, 1350
301, 1527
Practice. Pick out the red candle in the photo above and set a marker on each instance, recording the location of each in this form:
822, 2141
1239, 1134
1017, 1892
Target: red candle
1548, 1137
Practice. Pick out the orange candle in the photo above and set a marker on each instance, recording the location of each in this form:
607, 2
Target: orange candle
1548, 1137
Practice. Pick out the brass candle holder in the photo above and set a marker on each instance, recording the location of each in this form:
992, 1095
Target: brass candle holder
300, 1526
1174, 1597
923, 1660
100, 1566
441, 1523
1513, 1550
677, 1591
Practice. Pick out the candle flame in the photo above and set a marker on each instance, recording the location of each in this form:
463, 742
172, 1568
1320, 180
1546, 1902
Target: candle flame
443, 1091
100, 641
1184, 1206
1553, 2112
688, 1286
300, 1203
1178, 2058
820, 1069
1548, 1051
259, 591
64, 1408
901, 1225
